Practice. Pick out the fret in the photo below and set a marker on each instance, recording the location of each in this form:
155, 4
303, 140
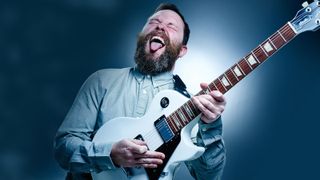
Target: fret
225, 75
252, 60
225, 88
244, 66
255, 57
176, 121
272, 43
225, 81
282, 36
269, 47
184, 119
287, 32
189, 118
260, 54
245, 59
201, 92
264, 51
239, 68
238, 72
189, 111
176, 127
277, 40
175, 113
206, 91
194, 108
219, 85
231, 77
172, 125
213, 86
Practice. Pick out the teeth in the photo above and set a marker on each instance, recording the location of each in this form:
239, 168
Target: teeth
157, 38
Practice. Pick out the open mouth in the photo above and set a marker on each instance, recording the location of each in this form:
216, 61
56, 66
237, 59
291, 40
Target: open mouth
156, 43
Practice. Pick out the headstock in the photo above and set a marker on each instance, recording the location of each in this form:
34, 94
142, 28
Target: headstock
308, 18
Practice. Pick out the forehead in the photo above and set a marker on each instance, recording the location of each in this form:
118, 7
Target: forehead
168, 16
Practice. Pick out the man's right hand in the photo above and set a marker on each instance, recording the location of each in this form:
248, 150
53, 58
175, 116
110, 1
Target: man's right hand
132, 153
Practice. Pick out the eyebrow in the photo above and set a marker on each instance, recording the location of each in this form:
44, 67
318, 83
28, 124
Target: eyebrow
174, 23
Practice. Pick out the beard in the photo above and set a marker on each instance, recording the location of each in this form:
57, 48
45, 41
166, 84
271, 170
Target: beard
147, 63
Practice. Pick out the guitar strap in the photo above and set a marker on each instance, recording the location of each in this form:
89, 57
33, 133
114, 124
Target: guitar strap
180, 86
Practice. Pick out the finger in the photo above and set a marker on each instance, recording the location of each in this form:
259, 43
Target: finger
210, 104
218, 96
150, 154
201, 107
149, 165
208, 97
139, 142
207, 120
203, 85
218, 106
196, 102
148, 161
135, 148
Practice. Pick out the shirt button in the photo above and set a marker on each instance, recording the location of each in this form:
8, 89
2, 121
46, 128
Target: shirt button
204, 129
144, 91
148, 76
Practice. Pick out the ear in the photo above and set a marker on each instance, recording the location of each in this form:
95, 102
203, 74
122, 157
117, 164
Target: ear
183, 51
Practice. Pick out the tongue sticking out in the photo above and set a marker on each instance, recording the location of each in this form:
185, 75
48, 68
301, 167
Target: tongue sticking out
154, 46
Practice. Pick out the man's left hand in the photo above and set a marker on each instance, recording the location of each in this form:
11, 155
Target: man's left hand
211, 105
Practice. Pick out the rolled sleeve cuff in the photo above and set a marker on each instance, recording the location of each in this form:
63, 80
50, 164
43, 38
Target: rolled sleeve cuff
210, 133
92, 157
101, 156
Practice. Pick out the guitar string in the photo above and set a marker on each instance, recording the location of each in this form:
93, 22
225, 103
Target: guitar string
285, 30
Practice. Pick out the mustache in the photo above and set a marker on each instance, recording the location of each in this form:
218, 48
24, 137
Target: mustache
161, 34
147, 64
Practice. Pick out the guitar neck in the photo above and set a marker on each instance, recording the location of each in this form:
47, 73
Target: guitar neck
188, 111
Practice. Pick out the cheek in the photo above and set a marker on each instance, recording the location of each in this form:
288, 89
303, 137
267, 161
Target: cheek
175, 37
147, 29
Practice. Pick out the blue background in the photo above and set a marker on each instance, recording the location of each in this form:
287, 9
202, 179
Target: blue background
48, 48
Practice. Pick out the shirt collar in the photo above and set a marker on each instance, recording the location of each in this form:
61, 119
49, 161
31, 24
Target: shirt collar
157, 80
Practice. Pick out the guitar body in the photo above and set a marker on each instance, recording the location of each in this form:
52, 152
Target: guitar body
179, 149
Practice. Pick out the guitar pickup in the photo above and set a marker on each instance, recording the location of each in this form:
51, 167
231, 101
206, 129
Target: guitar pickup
164, 129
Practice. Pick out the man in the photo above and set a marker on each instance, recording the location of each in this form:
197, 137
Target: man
128, 92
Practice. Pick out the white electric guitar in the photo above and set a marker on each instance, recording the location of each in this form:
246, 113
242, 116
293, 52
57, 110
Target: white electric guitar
171, 117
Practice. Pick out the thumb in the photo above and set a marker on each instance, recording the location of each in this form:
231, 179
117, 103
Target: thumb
203, 85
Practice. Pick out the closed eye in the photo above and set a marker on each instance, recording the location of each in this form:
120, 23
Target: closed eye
154, 21
172, 26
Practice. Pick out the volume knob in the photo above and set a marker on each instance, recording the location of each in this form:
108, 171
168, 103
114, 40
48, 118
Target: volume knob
164, 102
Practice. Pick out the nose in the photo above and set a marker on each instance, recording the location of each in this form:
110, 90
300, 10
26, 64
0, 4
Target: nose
160, 26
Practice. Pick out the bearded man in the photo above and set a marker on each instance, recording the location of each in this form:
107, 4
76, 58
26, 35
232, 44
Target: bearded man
128, 92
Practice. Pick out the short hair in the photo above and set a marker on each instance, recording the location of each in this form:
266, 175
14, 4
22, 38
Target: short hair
172, 7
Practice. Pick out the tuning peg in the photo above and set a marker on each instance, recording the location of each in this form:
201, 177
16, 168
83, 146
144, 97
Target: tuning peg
305, 4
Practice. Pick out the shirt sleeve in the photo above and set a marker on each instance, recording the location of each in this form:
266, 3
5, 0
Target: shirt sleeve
209, 166
73, 146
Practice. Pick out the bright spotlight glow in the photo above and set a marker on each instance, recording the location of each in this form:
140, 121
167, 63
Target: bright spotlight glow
201, 65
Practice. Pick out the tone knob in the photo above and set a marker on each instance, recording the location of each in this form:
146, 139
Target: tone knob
164, 102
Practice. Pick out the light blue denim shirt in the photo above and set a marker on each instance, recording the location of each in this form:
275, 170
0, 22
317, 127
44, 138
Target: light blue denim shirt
111, 93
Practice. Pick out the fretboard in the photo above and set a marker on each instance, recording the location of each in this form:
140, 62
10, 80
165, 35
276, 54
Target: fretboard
188, 111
